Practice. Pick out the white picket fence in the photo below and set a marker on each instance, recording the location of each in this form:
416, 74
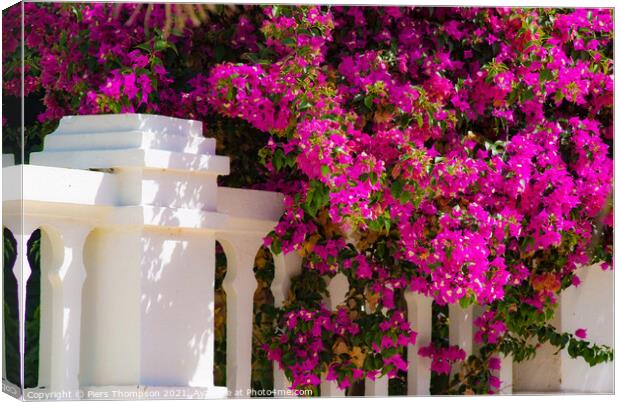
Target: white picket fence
129, 212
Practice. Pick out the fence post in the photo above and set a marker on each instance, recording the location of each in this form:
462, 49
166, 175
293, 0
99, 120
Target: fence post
338, 287
62, 269
286, 266
461, 327
378, 387
240, 285
461, 332
420, 315
504, 373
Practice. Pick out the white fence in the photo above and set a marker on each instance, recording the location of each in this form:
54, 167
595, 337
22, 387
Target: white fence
129, 212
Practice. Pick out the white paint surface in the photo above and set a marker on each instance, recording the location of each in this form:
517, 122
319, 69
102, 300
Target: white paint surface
420, 315
589, 306
129, 254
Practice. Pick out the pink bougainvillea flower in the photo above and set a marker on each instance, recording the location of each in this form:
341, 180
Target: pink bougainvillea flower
581, 333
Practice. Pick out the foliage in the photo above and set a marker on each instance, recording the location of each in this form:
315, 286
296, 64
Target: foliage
461, 153
10, 313
219, 367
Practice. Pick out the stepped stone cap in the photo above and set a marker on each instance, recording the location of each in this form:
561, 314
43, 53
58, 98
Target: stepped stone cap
97, 123
130, 140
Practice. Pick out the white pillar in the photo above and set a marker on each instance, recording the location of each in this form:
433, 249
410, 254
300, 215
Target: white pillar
62, 265
461, 327
378, 387
115, 297
461, 330
477, 311
420, 315
504, 373
287, 266
22, 230
330, 388
240, 285
338, 286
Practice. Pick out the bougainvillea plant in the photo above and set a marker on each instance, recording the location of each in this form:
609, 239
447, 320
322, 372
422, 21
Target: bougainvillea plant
460, 153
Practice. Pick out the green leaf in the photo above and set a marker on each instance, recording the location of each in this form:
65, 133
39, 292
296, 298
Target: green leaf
230, 94
289, 41
144, 46
276, 246
420, 120
397, 188
161, 44
278, 159
304, 104
466, 301
546, 75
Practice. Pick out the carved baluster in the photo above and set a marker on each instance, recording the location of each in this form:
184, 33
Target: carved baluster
338, 287
240, 285
461, 331
62, 278
504, 373
287, 266
420, 315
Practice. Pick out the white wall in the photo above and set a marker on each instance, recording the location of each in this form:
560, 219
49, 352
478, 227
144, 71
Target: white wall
589, 306
542, 373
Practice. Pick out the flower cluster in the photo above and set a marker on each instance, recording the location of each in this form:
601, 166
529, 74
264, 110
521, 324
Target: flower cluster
490, 329
308, 335
442, 358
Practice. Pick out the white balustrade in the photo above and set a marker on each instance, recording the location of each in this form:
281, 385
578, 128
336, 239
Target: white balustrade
62, 325
461, 331
420, 315
337, 287
504, 373
378, 387
240, 285
287, 266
